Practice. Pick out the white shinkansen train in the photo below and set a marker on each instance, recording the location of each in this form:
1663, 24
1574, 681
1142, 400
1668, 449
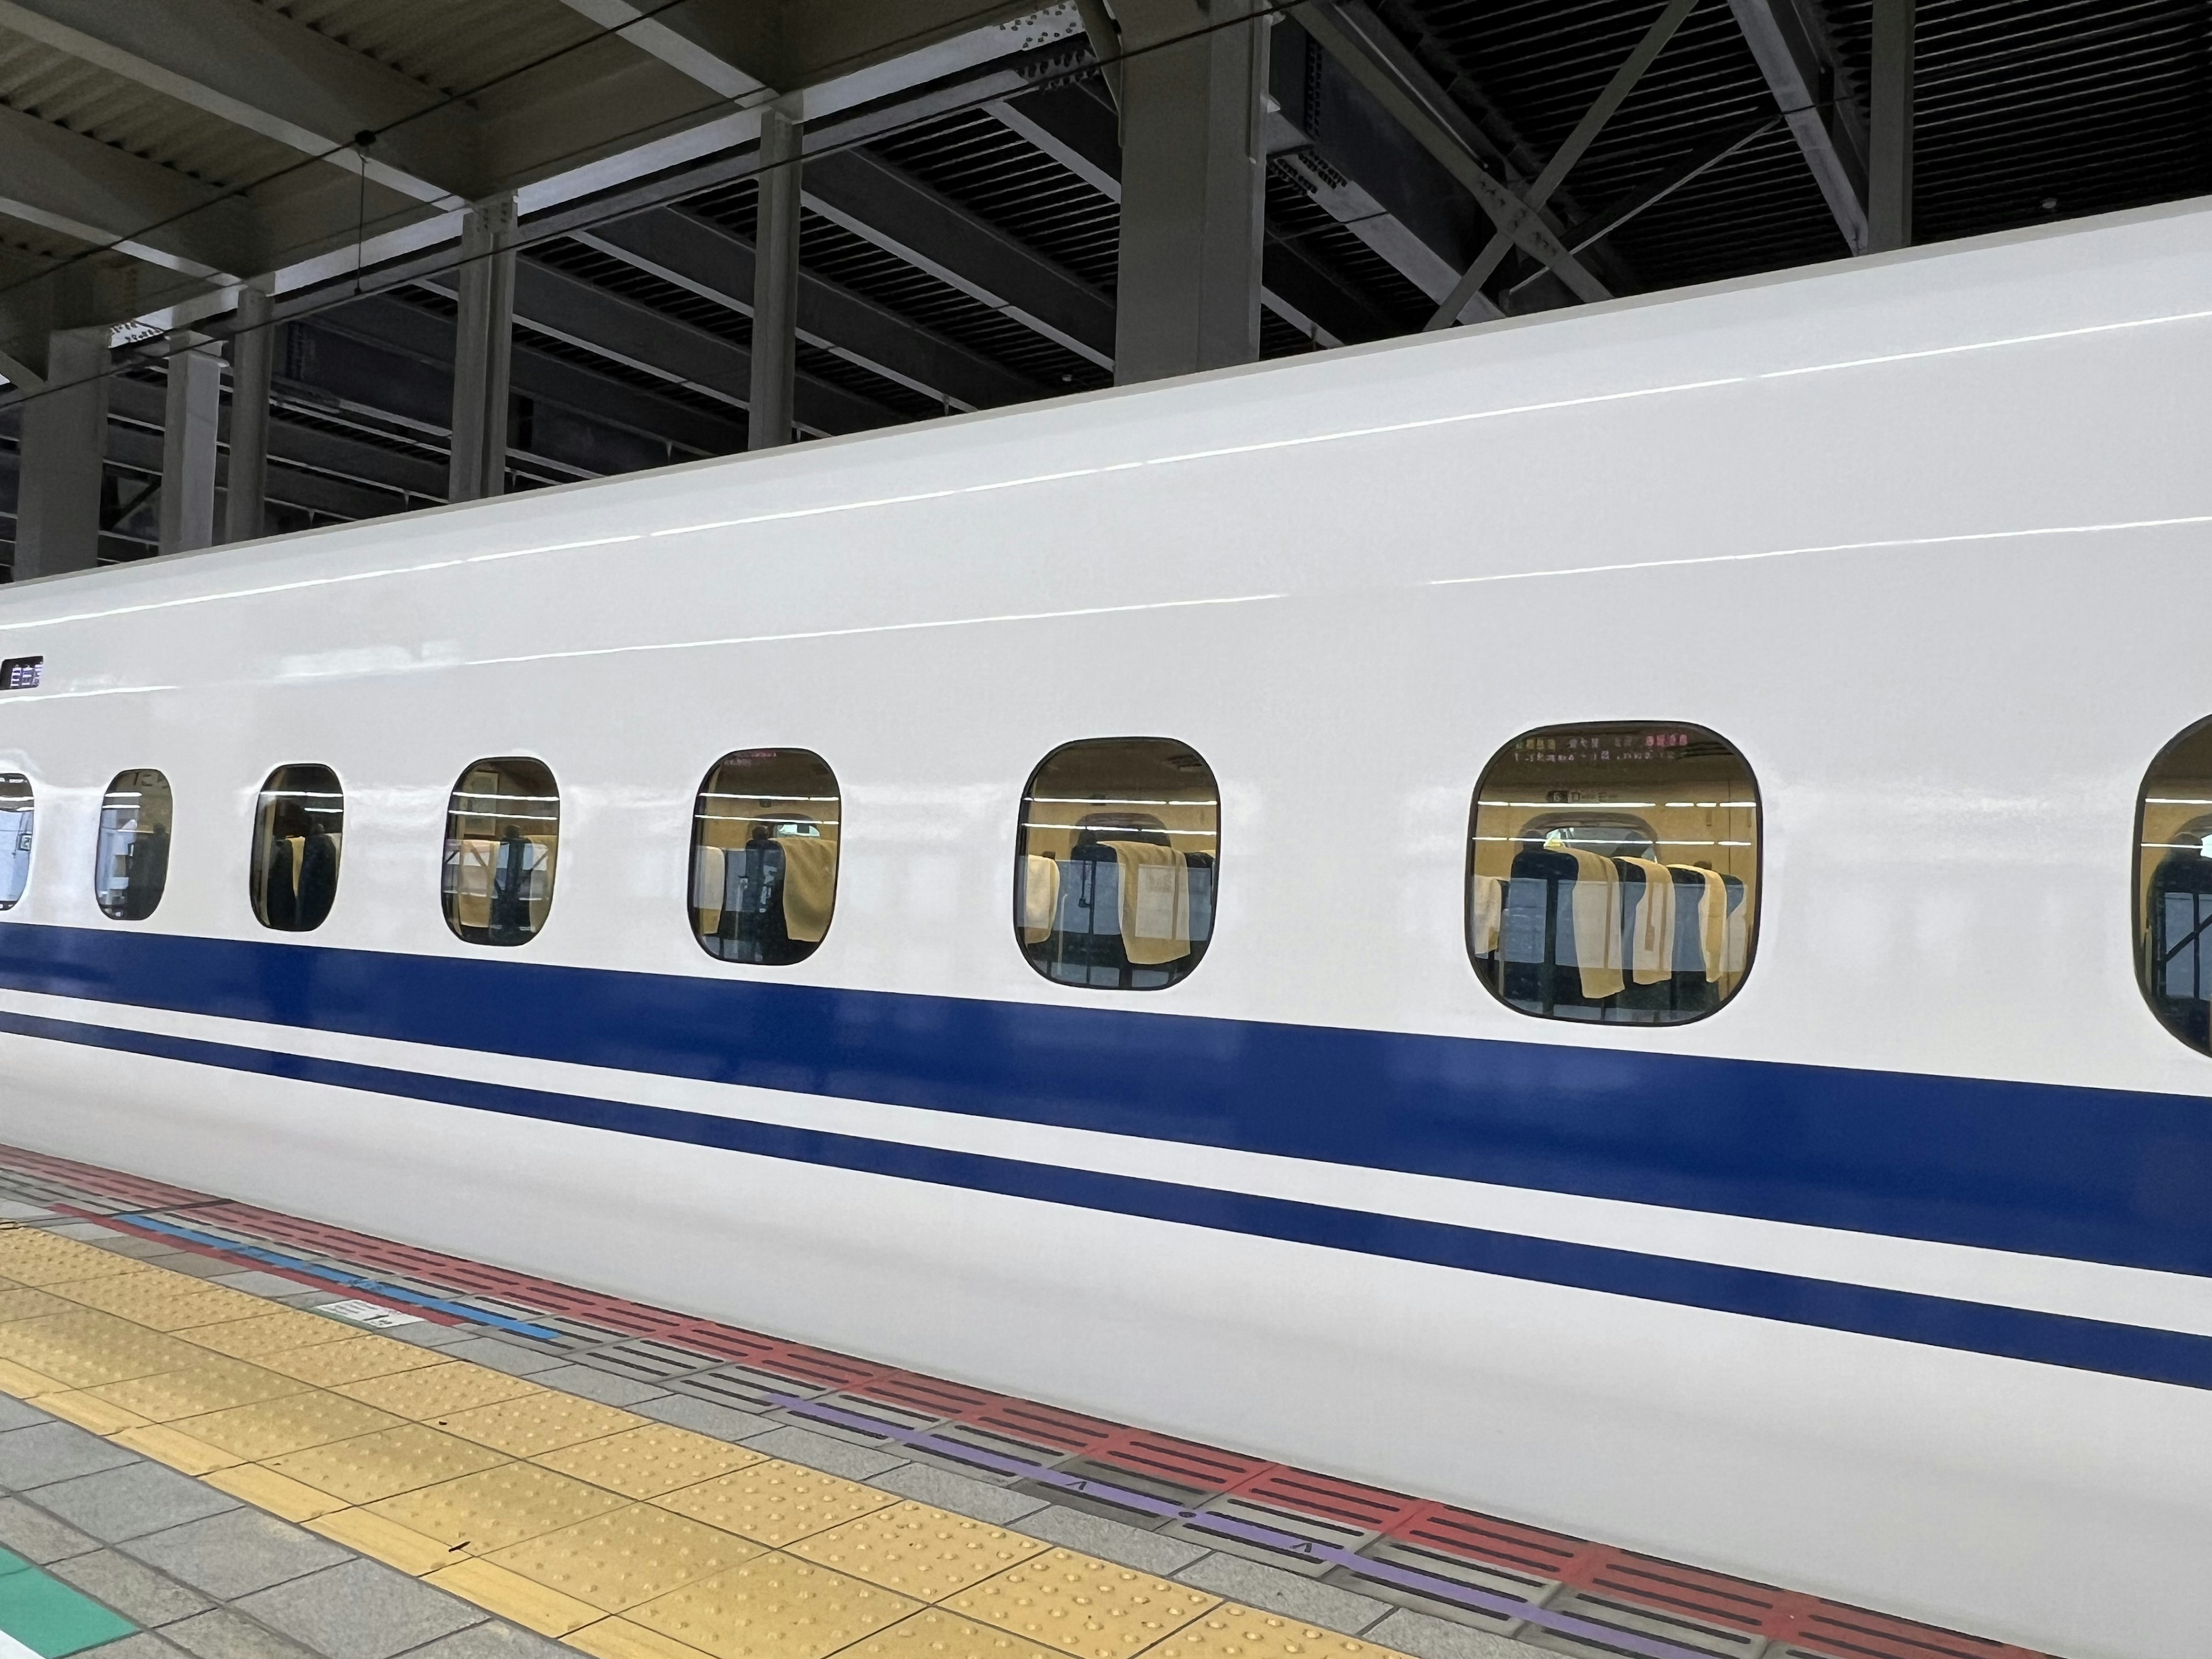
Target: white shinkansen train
1597, 916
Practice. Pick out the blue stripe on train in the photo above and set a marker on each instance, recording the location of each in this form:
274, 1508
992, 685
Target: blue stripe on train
2095, 1173
2010, 1332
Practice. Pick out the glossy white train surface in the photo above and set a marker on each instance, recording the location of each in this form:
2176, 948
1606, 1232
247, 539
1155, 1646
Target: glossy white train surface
1891, 1279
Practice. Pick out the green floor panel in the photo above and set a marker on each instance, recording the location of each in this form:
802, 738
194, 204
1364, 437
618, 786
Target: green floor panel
11, 1562
51, 1619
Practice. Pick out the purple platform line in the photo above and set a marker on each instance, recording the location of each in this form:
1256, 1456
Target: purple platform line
1442, 1589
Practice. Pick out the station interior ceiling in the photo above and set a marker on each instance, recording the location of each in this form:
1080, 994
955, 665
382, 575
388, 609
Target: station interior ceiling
960, 219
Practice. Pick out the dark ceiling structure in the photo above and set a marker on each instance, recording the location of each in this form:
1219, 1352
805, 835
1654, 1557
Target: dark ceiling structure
960, 219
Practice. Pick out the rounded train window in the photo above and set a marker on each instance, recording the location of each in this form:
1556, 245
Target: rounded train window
1613, 873
299, 830
1117, 864
765, 856
2173, 886
502, 831
17, 810
130, 865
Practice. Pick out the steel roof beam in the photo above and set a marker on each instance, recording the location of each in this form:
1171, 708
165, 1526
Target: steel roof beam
249, 65
901, 214
1790, 40
568, 308
678, 247
1374, 57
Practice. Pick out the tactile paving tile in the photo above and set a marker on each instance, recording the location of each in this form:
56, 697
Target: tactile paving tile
351, 1359
919, 1550
268, 1333
23, 1302
540, 1422
648, 1461
485, 1512
1234, 1633
270, 1428
163, 1301
437, 1390
36, 1258
1081, 1605
211, 1384
627, 1556
772, 1607
776, 1503
933, 1633
386, 1463
82, 1350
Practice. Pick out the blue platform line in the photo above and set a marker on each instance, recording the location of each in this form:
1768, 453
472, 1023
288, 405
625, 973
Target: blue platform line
351, 1281
2089, 1344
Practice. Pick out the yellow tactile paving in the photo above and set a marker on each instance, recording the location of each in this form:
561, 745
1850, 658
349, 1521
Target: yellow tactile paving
270, 1428
351, 1359
19, 1302
384, 1464
1083, 1606
161, 1300
437, 1390
775, 1502
617, 1638
81, 1350
213, 1383
543, 1421
919, 1550
268, 1332
623, 1538
1234, 1632
484, 1512
933, 1633
648, 1461
625, 1557
509, 1594
772, 1607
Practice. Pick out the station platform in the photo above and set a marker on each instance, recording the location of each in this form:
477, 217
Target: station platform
235, 1434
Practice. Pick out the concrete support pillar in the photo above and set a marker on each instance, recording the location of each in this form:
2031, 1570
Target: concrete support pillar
1193, 172
64, 445
189, 425
482, 348
253, 359
1889, 141
776, 281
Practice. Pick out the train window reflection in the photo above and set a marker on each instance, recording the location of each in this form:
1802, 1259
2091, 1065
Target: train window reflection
1116, 867
130, 863
1613, 873
765, 856
502, 831
2173, 886
298, 831
16, 813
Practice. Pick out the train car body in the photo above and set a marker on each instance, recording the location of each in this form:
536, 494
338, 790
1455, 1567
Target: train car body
1889, 1278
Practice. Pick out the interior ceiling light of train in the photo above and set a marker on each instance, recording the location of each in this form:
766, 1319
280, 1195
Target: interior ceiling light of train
958, 213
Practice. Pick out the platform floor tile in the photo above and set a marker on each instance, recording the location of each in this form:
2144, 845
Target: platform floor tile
919, 1550
270, 1428
386, 1463
481, 1513
772, 1607
649, 1461
82, 1350
510, 1594
933, 1633
21, 1302
626, 1556
52, 1618
775, 1502
437, 1389
541, 1421
29, 1257
161, 1300
1081, 1605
